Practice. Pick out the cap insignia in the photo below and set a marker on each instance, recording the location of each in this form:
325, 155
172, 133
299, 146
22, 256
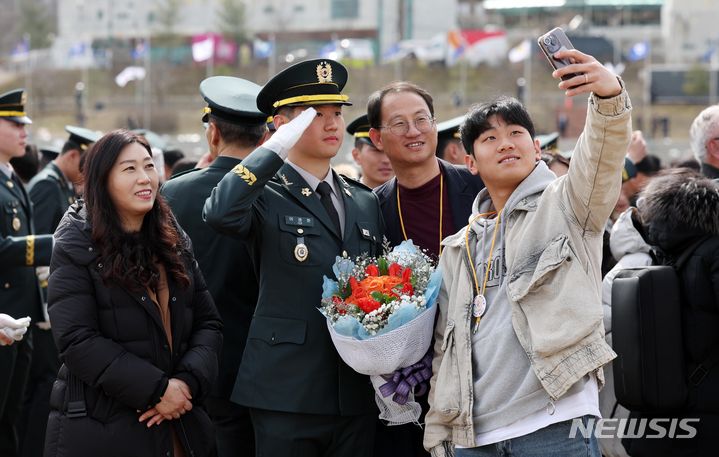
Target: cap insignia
324, 72
23, 99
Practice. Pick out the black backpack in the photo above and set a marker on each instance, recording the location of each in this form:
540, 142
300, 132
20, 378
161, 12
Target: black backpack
650, 373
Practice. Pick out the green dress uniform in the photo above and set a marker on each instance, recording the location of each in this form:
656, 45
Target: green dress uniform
225, 262
51, 196
289, 363
303, 399
21, 252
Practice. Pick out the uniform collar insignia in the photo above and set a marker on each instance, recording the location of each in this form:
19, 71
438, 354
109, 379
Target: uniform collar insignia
285, 181
306, 191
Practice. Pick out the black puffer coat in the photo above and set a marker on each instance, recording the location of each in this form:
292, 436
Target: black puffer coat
677, 216
114, 342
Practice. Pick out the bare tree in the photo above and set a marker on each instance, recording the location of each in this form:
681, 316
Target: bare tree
231, 20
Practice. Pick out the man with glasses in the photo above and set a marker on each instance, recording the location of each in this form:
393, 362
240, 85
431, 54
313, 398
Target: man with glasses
704, 140
428, 200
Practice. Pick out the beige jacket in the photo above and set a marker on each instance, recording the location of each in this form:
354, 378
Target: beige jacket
553, 256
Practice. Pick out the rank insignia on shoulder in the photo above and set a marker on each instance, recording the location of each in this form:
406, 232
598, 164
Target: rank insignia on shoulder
242, 171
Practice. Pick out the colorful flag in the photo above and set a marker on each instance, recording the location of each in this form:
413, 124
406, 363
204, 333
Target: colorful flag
262, 49
455, 46
203, 47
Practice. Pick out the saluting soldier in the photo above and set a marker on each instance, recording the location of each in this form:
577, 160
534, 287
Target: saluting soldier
21, 251
52, 191
235, 127
297, 215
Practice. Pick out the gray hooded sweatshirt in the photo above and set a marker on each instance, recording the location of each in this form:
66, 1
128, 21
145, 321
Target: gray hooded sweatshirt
505, 387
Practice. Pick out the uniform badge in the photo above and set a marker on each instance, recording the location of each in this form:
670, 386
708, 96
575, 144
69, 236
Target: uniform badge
365, 232
10, 184
301, 252
244, 173
306, 192
16, 223
324, 72
285, 181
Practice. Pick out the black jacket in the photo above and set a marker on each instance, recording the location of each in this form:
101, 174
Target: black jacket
676, 219
113, 341
290, 363
51, 195
225, 262
462, 187
21, 252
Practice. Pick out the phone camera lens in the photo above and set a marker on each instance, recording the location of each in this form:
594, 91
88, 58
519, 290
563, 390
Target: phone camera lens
551, 42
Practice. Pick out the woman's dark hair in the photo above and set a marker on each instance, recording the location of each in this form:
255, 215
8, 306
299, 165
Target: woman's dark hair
129, 258
509, 109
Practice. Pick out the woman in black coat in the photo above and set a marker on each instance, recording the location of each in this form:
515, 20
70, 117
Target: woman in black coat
137, 331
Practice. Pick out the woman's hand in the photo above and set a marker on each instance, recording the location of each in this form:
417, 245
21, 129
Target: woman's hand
591, 76
174, 403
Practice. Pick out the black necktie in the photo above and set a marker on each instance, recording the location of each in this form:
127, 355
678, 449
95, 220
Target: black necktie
325, 192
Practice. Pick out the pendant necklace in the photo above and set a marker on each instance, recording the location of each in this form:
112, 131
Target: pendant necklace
479, 307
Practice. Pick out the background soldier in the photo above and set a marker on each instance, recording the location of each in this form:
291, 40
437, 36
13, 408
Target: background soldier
235, 127
374, 164
449, 144
21, 251
297, 216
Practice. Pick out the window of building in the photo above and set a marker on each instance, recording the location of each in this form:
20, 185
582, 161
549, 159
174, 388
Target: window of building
345, 9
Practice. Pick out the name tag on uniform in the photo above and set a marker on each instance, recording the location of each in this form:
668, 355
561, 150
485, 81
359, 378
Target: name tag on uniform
300, 221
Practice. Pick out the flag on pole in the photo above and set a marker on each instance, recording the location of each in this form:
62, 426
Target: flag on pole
203, 48
456, 46
520, 52
21, 50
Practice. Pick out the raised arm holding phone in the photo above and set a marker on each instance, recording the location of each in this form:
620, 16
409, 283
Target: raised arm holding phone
519, 342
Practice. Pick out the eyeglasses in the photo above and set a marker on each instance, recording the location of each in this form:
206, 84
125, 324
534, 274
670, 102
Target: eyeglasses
400, 128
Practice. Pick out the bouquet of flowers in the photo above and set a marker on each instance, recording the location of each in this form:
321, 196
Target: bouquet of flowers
380, 315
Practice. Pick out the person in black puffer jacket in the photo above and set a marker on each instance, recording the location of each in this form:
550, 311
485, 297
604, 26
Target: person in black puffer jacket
679, 209
137, 331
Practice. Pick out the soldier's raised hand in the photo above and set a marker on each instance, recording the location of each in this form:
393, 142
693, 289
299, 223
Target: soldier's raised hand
289, 133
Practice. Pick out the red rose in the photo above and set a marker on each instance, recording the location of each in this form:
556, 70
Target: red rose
407, 289
367, 304
371, 270
406, 274
395, 269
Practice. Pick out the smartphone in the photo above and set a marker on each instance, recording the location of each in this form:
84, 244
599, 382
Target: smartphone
553, 41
